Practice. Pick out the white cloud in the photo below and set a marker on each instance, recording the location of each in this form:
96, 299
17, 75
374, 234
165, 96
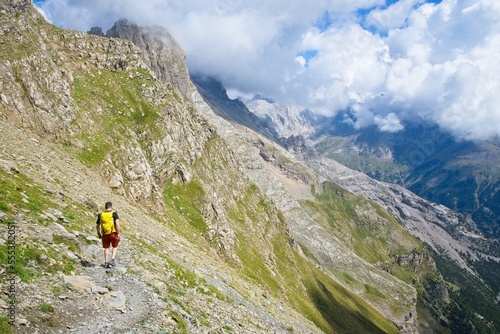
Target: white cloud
389, 123
437, 61
392, 17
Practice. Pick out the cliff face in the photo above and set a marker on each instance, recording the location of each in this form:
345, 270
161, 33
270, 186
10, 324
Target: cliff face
163, 55
87, 119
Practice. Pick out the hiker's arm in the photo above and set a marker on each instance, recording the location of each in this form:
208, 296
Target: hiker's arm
117, 226
98, 226
116, 219
98, 229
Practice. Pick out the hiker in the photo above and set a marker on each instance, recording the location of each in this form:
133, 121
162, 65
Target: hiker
108, 229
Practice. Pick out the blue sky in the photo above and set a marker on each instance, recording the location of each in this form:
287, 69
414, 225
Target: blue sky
384, 61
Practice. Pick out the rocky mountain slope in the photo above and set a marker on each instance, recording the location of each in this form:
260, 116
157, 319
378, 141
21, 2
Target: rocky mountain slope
450, 235
422, 158
428, 161
86, 120
222, 230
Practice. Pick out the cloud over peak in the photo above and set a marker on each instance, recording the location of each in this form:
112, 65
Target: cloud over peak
384, 61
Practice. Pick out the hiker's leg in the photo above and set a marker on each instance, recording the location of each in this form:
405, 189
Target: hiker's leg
114, 244
106, 251
113, 252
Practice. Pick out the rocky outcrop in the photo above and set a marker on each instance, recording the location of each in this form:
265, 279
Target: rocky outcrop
162, 53
96, 31
428, 221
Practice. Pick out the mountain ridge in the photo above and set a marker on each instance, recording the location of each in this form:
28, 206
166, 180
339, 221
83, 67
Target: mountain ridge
445, 231
159, 155
238, 236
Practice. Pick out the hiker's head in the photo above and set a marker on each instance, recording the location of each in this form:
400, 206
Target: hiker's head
108, 205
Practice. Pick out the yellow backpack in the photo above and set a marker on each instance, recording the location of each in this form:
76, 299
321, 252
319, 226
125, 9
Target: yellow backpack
107, 222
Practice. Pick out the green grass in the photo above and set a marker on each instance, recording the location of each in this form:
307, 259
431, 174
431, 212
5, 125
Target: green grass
46, 308
23, 194
187, 199
95, 151
181, 325
365, 227
374, 291
72, 246
5, 327
26, 260
124, 108
19, 193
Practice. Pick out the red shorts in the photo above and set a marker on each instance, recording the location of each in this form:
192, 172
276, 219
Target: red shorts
108, 239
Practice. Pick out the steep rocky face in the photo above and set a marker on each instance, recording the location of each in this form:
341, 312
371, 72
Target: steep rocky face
163, 55
287, 121
215, 95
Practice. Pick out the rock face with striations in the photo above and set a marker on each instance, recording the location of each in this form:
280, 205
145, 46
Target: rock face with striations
163, 55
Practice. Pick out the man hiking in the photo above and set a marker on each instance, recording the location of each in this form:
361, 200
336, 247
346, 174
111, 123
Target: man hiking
108, 229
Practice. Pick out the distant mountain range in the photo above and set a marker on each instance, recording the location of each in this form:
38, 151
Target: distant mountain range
462, 234
462, 175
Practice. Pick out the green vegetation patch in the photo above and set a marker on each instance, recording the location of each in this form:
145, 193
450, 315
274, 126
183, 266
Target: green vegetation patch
19, 193
27, 261
5, 327
95, 151
336, 309
117, 99
46, 308
379, 168
472, 308
188, 201
293, 279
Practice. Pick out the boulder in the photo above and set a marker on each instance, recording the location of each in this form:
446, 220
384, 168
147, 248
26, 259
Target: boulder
79, 283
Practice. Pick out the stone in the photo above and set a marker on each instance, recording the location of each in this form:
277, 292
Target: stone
9, 166
3, 304
20, 322
56, 213
118, 300
79, 283
61, 232
99, 290
41, 234
71, 255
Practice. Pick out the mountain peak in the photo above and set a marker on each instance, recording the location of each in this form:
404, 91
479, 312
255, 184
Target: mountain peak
164, 56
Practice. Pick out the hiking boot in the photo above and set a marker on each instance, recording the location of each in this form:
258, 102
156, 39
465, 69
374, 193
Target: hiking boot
107, 265
112, 263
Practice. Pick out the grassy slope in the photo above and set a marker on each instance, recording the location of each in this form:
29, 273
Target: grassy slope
264, 254
378, 238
